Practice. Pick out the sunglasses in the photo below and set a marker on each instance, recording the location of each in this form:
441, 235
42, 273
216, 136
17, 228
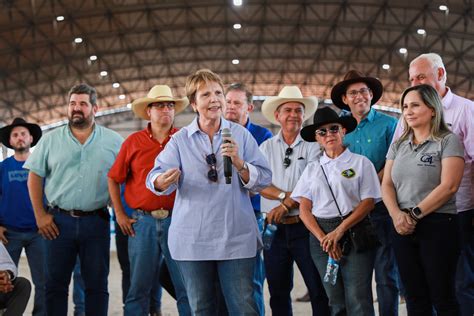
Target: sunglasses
161, 105
212, 173
333, 129
287, 160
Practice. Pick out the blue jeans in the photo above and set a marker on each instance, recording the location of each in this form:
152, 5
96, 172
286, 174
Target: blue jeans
88, 237
291, 244
386, 270
145, 251
121, 243
35, 248
235, 280
259, 272
465, 268
352, 293
427, 262
78, 290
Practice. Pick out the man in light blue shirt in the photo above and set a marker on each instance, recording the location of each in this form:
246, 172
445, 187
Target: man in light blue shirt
372, 138
73, 161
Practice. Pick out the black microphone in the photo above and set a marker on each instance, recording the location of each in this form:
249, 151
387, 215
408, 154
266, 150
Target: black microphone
227, 161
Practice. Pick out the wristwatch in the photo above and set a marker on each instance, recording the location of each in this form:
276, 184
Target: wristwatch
244, 167
281, 196
416, 213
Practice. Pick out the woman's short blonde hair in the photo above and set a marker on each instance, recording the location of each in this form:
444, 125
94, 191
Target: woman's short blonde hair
197, 79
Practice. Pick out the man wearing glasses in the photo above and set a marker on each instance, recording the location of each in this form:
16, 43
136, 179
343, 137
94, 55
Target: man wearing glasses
148, 226
288, 155
372, 137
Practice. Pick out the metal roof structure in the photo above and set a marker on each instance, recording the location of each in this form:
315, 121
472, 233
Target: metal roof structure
124, 47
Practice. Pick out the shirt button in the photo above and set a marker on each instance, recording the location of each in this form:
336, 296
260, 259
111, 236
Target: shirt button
357, 141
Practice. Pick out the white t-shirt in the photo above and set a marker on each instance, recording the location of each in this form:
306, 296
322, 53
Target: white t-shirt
352, 178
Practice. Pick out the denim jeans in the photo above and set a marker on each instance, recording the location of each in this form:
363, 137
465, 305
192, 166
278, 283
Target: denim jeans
121, 243
465, 268
427, 262
78, 290
234, 278
386, 270
35, 248
145, 251
88, 237
291, 244
352, 293
259, 272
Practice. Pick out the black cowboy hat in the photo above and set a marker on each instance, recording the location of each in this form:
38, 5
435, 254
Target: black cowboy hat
325, 116
35, 131
351, 77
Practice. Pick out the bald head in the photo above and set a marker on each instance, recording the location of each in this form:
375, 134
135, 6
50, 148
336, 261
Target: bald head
428, 69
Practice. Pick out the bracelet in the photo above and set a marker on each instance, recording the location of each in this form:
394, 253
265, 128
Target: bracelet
413, 217
244, 166
285, 207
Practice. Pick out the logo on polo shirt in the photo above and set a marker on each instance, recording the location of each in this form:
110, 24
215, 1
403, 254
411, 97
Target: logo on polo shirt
427, 158
349, 173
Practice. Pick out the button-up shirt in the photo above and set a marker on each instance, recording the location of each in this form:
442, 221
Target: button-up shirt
211, 220
286, 178
6, 262
260, 134
459, 116
372, 137
75, 174
352, 178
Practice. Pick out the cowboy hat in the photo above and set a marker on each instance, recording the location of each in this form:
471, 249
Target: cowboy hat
351, 77
288, 94
35, 131
159, 93
325, 116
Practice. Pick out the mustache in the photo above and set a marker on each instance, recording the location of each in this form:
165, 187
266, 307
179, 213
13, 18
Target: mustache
77, 112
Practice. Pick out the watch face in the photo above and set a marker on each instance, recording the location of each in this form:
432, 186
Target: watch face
282, 195
417, 211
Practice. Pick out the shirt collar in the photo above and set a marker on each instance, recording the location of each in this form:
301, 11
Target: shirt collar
413, 145
248, 124
298, 139
344, 157
194, 126
371, 115
448, 98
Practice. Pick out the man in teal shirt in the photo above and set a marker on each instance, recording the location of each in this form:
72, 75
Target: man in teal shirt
73, 162
372, 138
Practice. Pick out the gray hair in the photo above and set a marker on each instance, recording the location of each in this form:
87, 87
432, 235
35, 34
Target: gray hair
436, 62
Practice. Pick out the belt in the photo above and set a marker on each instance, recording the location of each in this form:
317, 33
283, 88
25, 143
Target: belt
290, 220
102, 212
157, 214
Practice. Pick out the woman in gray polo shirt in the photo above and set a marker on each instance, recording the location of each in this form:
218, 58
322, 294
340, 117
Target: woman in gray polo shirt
422, 174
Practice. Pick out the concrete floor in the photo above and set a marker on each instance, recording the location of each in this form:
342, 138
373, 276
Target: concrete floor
168, 304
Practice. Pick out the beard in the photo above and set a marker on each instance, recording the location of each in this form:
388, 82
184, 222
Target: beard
22, 148
78, 120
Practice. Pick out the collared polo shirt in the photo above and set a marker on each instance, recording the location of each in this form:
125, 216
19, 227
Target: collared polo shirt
352, 178
211, 220
133, 163
459, 116
75, 174
372, 137
286, 178
260, 134
416, 169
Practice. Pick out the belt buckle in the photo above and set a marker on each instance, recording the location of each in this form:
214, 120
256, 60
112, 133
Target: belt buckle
160, 214
72, 213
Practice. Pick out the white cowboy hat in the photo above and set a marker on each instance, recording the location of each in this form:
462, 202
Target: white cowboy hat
288, 94
159, 93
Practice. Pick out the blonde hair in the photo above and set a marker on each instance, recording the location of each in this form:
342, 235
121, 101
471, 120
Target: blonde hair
431, 98
197, 79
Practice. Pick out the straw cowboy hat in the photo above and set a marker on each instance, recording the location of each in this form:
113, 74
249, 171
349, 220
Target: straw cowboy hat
159, 93
35, 131
353, 76
288, 94
325, 116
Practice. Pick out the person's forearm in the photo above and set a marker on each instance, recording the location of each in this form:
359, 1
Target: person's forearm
390, 199
309, 220
271, 192
35, 189
114, 191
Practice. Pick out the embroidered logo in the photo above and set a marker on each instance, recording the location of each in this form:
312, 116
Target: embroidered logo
349, 173
427, 159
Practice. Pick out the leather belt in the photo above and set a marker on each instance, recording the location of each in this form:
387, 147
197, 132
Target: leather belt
157, 214
102, 212
288, 220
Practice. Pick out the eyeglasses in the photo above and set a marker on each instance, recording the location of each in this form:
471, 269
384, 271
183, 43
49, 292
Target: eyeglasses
287, 160
354, 93
212, 173
333, 129
161, 105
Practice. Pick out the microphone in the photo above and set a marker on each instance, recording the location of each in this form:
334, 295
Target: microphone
227, 161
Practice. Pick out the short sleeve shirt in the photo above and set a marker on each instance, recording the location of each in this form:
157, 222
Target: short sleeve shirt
416, 169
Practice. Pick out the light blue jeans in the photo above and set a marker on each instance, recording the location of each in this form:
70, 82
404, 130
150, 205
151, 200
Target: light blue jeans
35, 248
235, 279
352, 293
145, 251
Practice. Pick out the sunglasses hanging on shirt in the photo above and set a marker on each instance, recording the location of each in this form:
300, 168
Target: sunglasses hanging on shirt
287, 160
212, 173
